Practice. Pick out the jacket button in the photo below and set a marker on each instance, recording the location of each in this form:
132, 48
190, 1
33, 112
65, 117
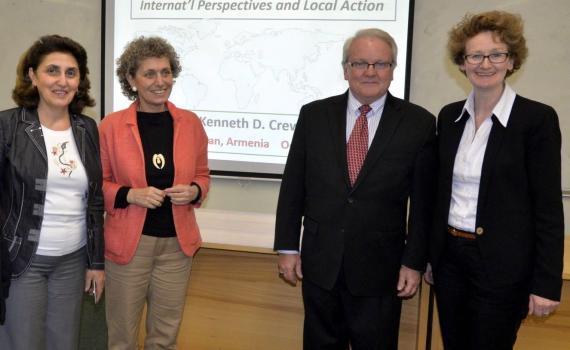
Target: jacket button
479, 231
350, 200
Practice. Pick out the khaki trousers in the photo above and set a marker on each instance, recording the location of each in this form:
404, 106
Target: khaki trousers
158, 275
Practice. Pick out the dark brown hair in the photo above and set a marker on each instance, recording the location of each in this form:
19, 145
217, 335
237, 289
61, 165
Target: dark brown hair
26, 95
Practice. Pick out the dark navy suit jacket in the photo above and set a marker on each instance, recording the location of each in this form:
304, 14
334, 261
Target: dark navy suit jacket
363, 228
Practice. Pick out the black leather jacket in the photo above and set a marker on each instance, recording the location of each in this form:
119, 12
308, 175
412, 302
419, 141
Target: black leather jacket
23, 174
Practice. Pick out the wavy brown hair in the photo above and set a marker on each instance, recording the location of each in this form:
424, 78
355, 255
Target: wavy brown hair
137, 51
26, 95
505, 26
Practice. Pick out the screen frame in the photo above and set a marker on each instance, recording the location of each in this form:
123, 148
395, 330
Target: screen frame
107, 65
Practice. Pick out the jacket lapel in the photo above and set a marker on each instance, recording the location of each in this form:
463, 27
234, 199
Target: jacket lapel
78, 128
489, 160
337, 126
34, 130
177, 120
131, 121
448, 147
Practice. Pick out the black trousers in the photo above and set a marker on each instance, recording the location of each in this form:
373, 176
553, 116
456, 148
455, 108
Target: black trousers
473, 314
336, 318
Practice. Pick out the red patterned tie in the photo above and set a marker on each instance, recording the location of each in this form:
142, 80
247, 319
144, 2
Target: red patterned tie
357, 145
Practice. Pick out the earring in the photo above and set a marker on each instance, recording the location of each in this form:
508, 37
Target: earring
134, 88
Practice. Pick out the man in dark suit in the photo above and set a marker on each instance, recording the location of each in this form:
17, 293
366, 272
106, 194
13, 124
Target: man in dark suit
356, 161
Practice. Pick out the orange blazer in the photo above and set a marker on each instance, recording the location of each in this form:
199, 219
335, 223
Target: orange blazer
122, 159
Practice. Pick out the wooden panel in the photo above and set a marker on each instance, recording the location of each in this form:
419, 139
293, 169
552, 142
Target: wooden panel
236, 301
423, 322
566, 273
552, 333
235, 230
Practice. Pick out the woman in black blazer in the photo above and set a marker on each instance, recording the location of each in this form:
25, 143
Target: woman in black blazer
497, 245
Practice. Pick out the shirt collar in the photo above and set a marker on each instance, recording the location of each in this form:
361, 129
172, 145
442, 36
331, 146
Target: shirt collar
502, 109
354, 104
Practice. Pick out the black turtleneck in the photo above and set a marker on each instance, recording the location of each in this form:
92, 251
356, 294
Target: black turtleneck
157, 133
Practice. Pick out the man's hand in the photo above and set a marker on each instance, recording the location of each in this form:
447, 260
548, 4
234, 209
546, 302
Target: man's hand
428, 275
541, 307
408, 282
289, 266
147, 197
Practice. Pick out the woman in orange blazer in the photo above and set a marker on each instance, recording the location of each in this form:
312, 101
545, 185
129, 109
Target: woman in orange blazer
155, 172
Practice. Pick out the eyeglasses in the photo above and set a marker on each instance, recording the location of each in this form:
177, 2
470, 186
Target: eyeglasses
362, 66
495, 57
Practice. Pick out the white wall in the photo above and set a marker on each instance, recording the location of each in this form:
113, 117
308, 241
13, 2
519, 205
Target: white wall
434, 80
24, 21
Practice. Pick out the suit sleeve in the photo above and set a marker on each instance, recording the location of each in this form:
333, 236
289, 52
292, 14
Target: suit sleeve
422, 199
544, 167
290, 206
110, 188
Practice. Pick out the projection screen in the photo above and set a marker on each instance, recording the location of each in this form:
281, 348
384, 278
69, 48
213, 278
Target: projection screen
249, 65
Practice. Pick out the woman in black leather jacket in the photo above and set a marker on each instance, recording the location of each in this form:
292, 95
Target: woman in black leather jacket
51, 204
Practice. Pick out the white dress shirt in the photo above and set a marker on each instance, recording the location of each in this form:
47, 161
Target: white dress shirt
353, 112
469, 160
